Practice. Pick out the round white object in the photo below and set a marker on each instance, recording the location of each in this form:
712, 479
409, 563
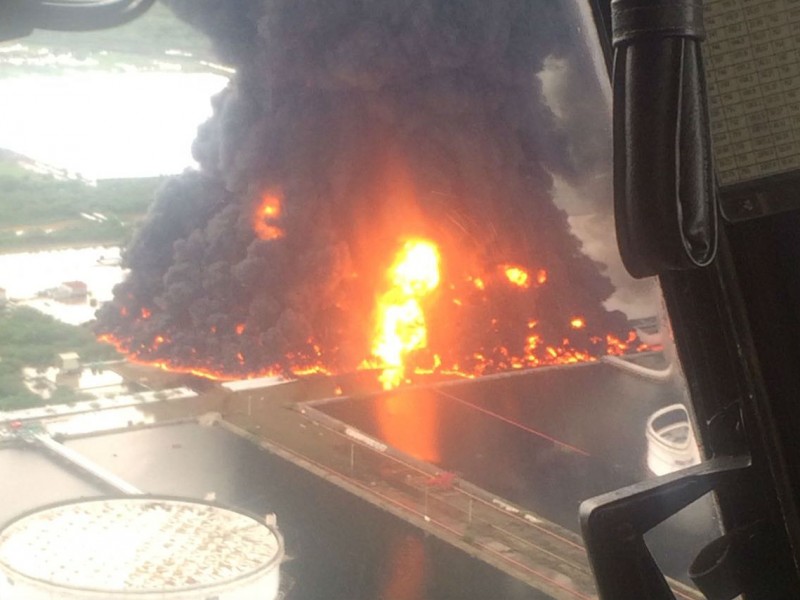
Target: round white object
136, 547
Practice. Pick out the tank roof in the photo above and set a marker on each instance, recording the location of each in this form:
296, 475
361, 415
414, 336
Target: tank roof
138, 545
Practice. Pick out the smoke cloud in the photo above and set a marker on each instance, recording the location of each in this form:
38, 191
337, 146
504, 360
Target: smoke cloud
362, 123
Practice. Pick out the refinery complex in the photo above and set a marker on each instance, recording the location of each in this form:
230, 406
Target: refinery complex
394, 449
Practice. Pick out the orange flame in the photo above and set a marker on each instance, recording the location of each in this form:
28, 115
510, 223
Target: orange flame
266, 216
517, 276
401, 344
401, 325
198, 371
577, 323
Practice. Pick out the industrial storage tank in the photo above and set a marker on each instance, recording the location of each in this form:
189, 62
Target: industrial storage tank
139, 547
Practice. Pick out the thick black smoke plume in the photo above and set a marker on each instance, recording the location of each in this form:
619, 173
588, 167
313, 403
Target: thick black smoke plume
364, 123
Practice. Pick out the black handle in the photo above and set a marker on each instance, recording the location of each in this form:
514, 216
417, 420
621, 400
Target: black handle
664, 188
614, 525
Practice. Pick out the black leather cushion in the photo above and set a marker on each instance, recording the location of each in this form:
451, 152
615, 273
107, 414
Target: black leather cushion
664, 186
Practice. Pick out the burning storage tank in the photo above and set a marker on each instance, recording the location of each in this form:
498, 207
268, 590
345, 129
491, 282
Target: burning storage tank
356, 143
134, 548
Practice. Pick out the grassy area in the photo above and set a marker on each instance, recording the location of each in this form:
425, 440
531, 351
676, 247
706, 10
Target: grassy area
48, 211
72, 235
39, 210
28, 198
29, 338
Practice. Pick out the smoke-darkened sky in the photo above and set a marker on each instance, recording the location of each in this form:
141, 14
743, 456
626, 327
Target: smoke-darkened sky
368, 122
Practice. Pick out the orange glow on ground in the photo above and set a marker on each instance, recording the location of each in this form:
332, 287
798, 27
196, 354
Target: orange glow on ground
536, 354
407, 575
299, 370
410, 424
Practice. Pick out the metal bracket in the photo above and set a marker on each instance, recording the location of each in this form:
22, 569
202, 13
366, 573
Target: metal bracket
614, 525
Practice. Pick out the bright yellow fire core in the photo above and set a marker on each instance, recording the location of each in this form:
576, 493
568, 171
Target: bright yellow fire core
400, 321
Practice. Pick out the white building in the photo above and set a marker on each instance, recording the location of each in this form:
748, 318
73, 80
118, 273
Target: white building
134, 548
71, 290
69, 362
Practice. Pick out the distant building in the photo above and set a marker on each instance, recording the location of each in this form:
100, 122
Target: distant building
109, 261
74, 289
69, 292
69, 362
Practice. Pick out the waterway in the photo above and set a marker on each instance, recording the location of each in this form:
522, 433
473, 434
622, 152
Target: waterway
104, 124
342, 547
546, 440
25, 275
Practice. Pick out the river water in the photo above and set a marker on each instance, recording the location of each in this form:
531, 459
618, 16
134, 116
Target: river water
25, 275
546, 440
105, 124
